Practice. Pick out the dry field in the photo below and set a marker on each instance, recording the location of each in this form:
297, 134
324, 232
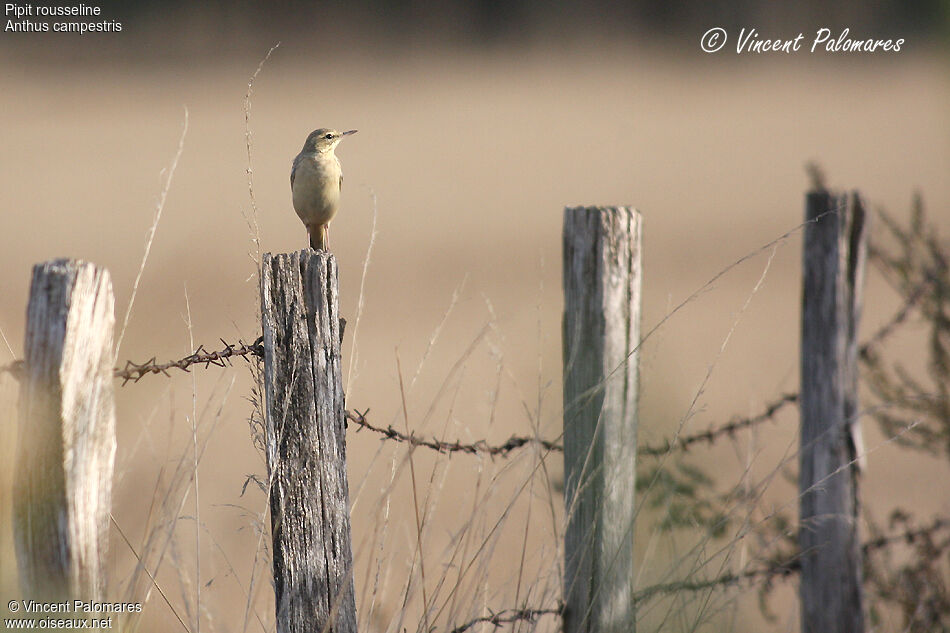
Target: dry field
465, 159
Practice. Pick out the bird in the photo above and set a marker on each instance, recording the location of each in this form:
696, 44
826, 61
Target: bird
315, 183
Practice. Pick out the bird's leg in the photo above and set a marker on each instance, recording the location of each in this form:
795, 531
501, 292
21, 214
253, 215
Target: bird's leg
319, 237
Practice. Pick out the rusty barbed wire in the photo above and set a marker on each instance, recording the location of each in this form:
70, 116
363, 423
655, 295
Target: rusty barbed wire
481, 446
136, 371
514, 442
508, 616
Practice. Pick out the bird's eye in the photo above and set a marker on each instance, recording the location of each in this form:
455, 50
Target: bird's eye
328, 136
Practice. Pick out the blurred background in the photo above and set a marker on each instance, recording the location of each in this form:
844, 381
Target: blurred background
478, 122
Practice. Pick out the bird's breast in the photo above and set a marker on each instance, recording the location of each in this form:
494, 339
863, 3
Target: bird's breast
316, 188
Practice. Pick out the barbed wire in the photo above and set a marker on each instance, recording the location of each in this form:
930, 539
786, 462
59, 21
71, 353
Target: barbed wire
481, 446
684, 442
790, 566
136, 371
775, 570
768, 573
133, 372
508, 616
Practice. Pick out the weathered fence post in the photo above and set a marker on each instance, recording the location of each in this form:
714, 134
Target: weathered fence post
66, 439
835, 251
306, 453
601, 336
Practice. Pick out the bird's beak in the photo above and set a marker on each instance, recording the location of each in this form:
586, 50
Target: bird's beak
348, 132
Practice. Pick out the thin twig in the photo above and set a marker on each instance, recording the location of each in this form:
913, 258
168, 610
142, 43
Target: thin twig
194, 474
415, 505
7, 343
141, 563
252, 222
362, 296
151, 232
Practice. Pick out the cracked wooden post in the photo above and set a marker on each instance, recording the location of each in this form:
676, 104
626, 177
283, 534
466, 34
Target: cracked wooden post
601, 335
66, 440
305, 437
835, 250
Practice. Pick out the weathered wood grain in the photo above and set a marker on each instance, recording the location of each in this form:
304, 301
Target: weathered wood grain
601, 335
66, 441
835, 250
306, 452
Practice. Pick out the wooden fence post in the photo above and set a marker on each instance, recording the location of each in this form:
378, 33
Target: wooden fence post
66, 440
306, 452
601, 336
835, 251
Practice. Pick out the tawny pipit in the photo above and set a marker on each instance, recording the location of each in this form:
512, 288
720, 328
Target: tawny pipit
315, 181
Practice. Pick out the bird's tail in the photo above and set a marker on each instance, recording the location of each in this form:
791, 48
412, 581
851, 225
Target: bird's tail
320, 237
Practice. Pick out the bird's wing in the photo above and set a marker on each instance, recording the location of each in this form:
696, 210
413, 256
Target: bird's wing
293, 171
